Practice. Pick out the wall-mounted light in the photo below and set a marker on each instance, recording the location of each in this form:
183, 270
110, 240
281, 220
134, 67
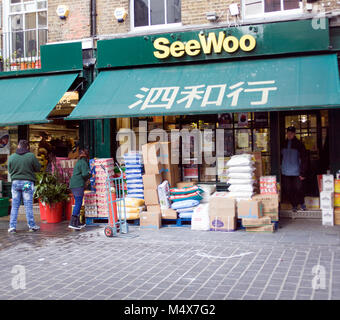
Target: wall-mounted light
62, 11
120, 14
233, 9
211, 16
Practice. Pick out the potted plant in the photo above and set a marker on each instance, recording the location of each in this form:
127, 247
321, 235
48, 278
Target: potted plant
51, 195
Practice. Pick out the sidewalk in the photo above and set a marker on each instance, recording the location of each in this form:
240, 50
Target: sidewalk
171, 263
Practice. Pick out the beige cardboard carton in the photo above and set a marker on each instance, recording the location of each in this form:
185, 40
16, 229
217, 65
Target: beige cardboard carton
151, 197
169, 214
152, 181
249, 222
154, 208
270, 203
267, 228
222, 206
249, 209
222, 223
150, 220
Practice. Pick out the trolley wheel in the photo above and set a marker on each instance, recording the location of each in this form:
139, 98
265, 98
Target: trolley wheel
108, 231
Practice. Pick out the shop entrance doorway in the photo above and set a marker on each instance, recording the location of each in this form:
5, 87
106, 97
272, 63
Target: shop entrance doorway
312, 130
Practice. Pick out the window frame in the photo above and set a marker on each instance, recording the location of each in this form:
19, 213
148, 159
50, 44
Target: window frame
150, 27
273, 13
7, 44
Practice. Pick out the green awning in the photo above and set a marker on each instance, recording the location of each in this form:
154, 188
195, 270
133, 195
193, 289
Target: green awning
29, 100
250, 85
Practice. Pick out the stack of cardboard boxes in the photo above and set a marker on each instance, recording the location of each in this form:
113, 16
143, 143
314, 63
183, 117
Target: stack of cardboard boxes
157, 167
251, 213
327, 200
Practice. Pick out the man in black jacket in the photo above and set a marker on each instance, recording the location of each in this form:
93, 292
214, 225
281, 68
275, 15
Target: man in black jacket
294, 169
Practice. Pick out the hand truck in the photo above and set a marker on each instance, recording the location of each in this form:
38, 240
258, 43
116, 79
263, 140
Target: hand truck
117, 222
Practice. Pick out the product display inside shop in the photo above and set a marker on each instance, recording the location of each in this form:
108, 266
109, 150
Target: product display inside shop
155, 196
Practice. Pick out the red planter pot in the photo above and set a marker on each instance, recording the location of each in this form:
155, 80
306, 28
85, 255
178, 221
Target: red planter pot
54, 212
42, 209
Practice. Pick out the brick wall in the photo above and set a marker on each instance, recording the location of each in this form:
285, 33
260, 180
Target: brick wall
106, 21
77, 24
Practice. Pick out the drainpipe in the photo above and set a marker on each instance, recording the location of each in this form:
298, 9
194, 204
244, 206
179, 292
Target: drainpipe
93, 14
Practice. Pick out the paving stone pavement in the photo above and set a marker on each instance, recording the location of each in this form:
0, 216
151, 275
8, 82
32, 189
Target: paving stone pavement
173, 263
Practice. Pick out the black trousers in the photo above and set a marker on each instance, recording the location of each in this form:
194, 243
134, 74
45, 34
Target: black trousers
293, 188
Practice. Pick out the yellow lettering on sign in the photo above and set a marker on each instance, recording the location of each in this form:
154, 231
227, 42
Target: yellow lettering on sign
211, 42
229, 44
177, 49
251, 42
234, 44
160, 44
192, 48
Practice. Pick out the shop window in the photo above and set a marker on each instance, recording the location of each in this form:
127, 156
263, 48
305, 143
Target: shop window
24, 31
203, 160
258, 8
150, 13
8, 145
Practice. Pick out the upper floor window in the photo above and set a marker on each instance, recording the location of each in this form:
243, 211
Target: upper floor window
25, 28
147, 13
256, 8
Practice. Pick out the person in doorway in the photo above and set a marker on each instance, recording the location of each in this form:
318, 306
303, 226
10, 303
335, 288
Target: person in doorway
81, 173
22, 167
294, 169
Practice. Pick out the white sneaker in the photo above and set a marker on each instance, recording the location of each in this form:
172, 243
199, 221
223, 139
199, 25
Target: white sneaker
12, 230
33, 229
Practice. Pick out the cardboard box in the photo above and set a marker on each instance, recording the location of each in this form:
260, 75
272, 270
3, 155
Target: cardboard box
151, 197
222, 206
249, 209
165, 153
312, 203
154, 208
337, 216
328, 217
184, 184
169, 214
152, 181
270, 202
326, 200
267, 228
151, 153
156, 168
222, 223
150, 220
249, 222
328, 182
171, 174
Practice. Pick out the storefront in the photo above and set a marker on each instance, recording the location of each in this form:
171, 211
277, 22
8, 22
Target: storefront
240, 87
35, 102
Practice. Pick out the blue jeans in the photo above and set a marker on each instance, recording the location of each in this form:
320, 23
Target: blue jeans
25, 189
78, 194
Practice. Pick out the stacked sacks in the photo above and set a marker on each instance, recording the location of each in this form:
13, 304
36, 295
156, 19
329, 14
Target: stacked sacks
133, 172
240, 175
100, 184
185, 200
133, 208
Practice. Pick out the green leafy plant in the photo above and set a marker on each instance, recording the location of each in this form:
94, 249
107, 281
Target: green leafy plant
48, 190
